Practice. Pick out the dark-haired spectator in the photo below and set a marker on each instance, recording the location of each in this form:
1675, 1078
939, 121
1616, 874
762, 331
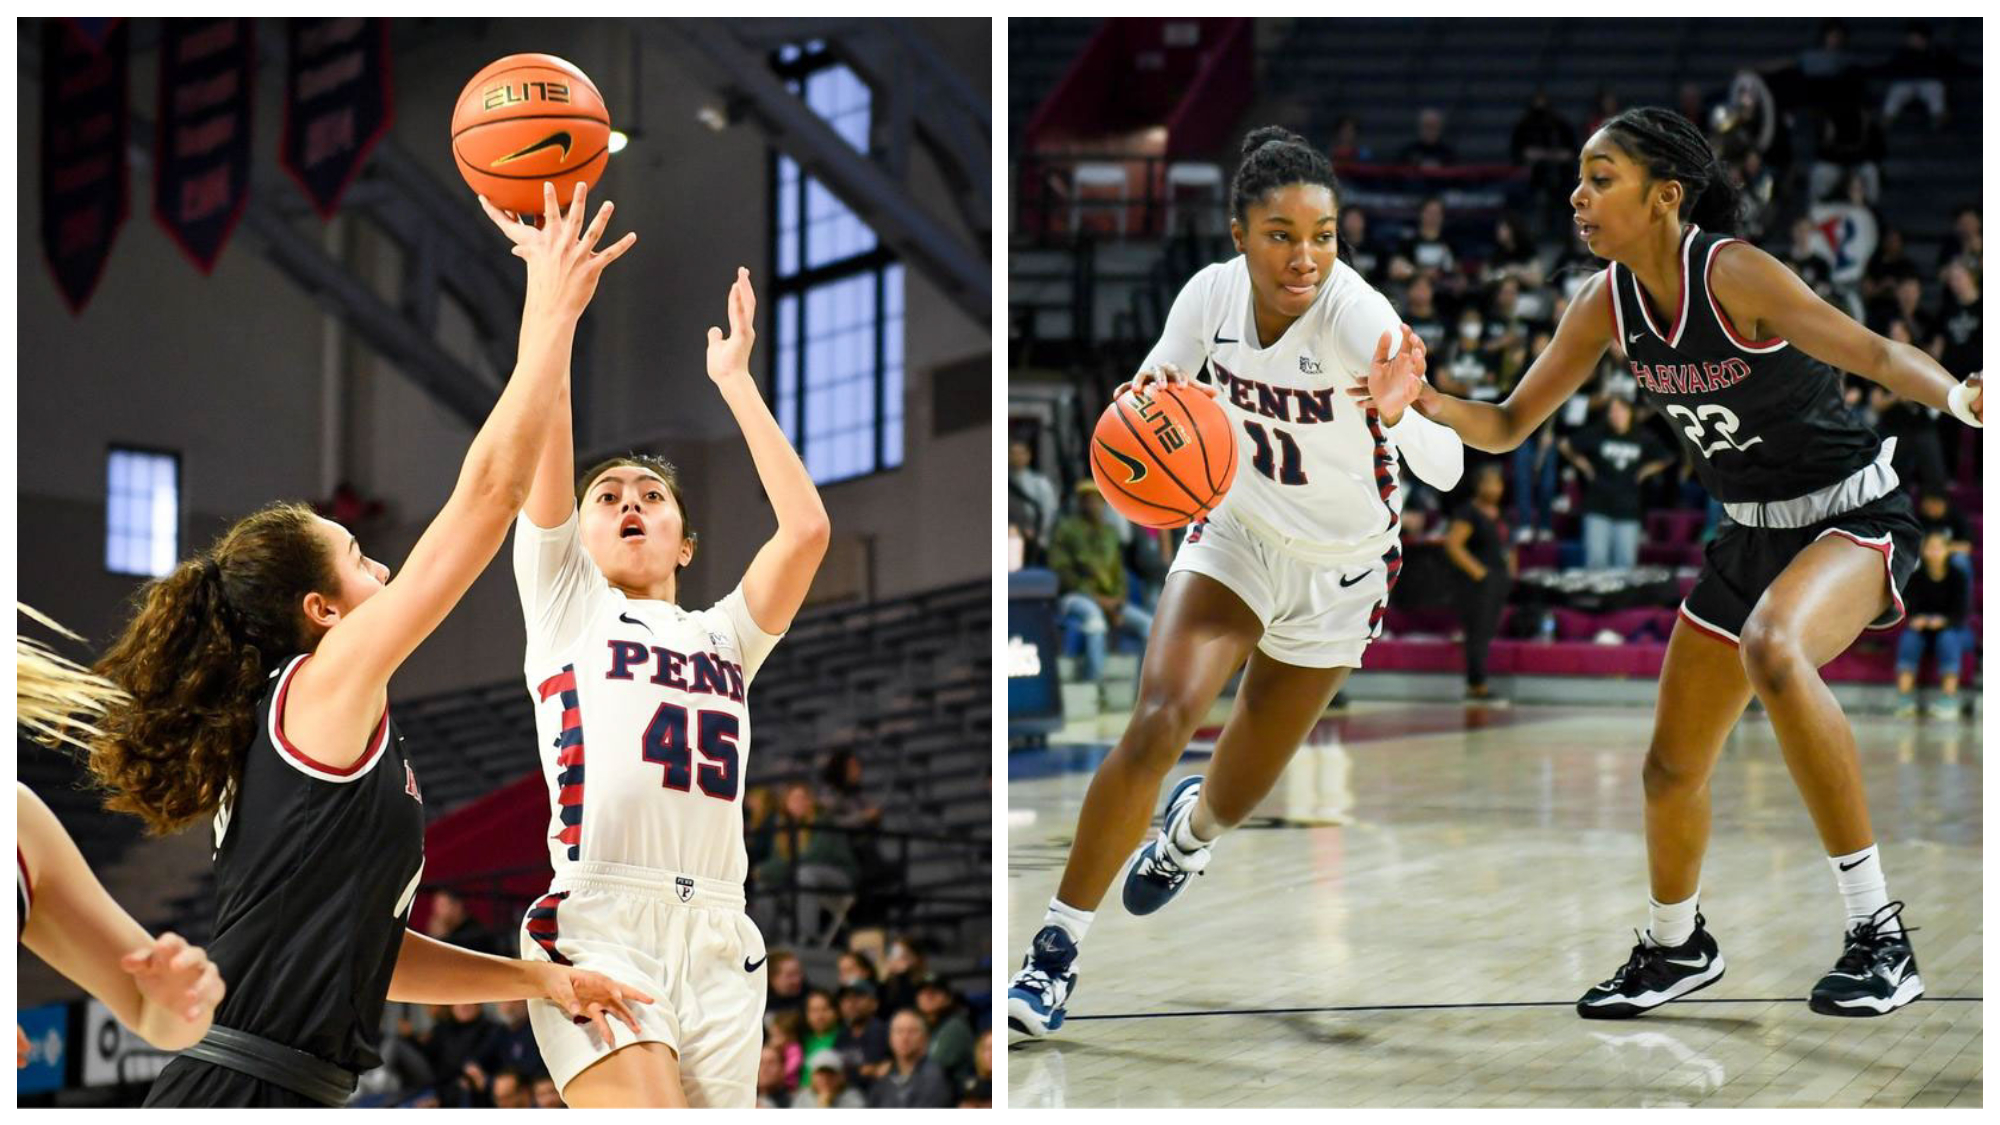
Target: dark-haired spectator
819, 861
1476, 543
1966, 238
450, 922
1090, 570
1347, 147
463, 1043
1513, 255
1614, 458
1917, 73
1544, 142
863, 1040
854, 966
913, 1081
1361, 254
1426, 252
515, 1049
946, 1026
821, 1030
826, 1085
1808, 258
1935, 602
785, 985
1935, 512
1959, 320
842, 801
903, 968
1429, 150
1758, 186
1887, 267
786, 1031
510, 1091
1033, 487
1420, 312
546, 1094
1919, 456
773, 1092
977, 1091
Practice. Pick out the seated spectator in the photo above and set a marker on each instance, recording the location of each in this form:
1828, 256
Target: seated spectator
546, 1094
785, 985
1426, 253
913, 1081
1033, 487
760, 825
1476, 544
1347, 147
1919, 456
463, 1043
1614, 458
1420, 312
826, 1085
1936, 602
1958, 321
772, 1090
510, 1091
1965, 239
1808, 258
449, 922
1090, 570
1355, 248
821, 1030
1916, 73
977, 1092
1758, 186
811, 856
1851, 148
1889, 265
1429, 150
841, 799
1935, 512
863, 1041
903, 969
1748, 124
946, 1026
516, 1049
783, 1032
855, 967
1513, 255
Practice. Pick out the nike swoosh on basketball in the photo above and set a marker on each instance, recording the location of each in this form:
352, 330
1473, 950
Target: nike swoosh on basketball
560, 137
750, 966
1133, 466
1345, 582
631, 621
1855, 864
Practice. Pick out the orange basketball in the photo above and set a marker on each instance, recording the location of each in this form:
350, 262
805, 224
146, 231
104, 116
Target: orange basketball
527, 119
1165, 457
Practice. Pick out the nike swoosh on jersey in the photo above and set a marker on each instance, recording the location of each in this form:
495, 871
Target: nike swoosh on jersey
1220, 340
559, 137
1133, 466
633, 621
1634, 338
750, 966
1351, 581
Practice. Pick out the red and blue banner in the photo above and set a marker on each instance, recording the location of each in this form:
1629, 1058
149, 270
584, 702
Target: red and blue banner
337, 103
84, 125
201, 166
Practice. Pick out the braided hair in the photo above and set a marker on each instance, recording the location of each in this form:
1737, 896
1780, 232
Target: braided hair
1272, 158
1670, 147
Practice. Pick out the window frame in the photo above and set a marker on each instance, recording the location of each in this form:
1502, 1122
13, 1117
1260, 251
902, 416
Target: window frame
179, 526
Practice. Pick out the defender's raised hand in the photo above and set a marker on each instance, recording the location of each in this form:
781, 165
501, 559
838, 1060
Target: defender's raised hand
563, 262
176, 976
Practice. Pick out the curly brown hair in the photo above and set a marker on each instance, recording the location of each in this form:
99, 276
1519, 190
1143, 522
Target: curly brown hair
193, 662
658, 466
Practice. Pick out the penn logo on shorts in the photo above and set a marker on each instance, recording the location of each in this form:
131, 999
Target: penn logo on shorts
569, 783
684, 887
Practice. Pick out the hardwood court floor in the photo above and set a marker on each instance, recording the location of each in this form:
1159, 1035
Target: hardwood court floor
1417, 908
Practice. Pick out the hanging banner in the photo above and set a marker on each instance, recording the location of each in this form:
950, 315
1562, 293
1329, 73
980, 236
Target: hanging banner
337, 103
84, 121
201, 166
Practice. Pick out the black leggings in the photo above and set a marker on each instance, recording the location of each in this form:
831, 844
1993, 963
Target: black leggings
1480, 607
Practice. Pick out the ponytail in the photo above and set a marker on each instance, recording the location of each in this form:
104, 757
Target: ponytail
1670, 147
193, 662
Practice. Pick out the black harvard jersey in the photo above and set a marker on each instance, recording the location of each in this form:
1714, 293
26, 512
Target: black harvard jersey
1761, 420
315, 868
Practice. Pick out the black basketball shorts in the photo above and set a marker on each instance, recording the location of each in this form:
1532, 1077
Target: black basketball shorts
1742, 562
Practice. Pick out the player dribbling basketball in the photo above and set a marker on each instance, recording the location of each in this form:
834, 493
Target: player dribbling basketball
1818, 541
642, 711
1293, 571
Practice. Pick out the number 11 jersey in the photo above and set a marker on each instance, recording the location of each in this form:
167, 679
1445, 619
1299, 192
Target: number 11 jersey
641, 708
1761, 420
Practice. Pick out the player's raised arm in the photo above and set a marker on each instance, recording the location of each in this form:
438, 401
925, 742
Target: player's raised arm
362, 650
1563, 367
775, 585
1768, 300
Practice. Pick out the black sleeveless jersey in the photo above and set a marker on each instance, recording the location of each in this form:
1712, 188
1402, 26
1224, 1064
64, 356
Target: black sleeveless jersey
315, 868
1761, 420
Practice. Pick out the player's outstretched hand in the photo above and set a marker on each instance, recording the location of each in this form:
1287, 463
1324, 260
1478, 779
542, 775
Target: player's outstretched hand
563, 261
729, 356
1163, 375
591, 996
177, 977
1392, 384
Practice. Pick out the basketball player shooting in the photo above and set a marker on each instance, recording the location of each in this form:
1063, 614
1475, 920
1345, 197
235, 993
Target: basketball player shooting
1292, 573
1817, 544
647, 844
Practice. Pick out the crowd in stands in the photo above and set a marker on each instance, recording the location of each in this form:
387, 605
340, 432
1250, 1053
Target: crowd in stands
1485, 298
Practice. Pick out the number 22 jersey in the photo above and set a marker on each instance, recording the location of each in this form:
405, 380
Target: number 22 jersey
1761, 420
641, 708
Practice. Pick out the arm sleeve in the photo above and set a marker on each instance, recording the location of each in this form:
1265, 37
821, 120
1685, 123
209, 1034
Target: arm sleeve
1183, 342
753, 642
556, 581
1434, 452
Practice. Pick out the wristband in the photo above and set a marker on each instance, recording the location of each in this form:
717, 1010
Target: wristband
1955, 402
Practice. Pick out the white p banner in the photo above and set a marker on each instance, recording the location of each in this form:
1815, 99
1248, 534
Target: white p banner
112, 1053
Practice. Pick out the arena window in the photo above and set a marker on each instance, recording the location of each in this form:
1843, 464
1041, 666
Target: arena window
142, 511
837, 371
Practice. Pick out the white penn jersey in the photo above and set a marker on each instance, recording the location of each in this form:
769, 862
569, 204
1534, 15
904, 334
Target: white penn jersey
1318, 471
642, 712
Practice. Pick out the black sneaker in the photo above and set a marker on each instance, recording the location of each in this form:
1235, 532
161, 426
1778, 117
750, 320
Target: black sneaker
1654, 975
1875, 975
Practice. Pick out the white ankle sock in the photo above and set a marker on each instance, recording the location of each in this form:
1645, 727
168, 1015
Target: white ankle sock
1068, 919
1671, 923
1863, 887
1186, 838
